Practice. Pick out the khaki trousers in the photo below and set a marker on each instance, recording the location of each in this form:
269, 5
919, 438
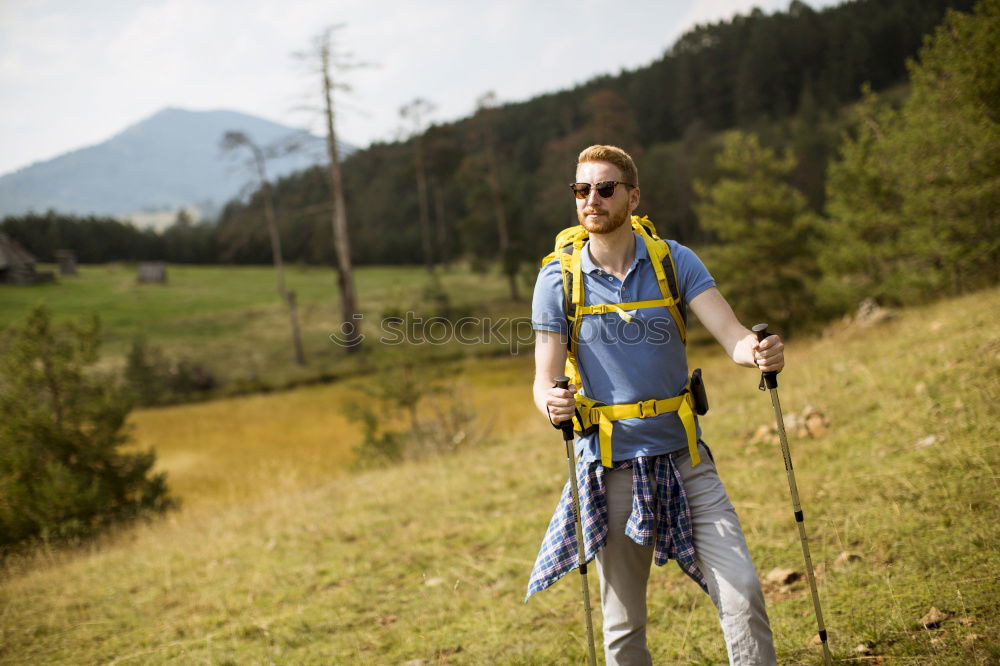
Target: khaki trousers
623, 567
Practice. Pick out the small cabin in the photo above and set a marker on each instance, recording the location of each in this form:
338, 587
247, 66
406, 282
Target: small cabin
154, 272
17, 265
66, 259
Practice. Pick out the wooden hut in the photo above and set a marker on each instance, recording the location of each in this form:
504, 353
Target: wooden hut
67, 262
152, 272
17, 265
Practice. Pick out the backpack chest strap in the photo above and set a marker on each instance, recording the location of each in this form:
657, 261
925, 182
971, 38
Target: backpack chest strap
621, 308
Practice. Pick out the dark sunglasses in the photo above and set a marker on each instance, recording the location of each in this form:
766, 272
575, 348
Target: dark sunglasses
606, 189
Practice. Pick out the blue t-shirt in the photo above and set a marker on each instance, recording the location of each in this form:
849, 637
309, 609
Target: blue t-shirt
624, 363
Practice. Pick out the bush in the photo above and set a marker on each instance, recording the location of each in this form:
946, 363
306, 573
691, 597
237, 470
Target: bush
62, 429
153, 379
407, 414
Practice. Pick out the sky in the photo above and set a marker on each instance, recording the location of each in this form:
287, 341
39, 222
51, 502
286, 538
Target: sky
74, 73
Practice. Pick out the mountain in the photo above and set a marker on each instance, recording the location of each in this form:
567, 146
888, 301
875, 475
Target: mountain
168, 161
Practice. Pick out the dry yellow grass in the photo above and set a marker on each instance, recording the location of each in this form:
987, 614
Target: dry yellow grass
428, 560
230, 451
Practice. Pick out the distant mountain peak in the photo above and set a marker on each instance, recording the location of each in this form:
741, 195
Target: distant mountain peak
169, 160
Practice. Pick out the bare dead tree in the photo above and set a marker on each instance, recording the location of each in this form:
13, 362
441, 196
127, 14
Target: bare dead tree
484, 112
416, 113
331, 64
232, 141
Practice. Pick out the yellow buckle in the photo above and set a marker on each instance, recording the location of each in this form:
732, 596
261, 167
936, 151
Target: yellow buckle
647, 408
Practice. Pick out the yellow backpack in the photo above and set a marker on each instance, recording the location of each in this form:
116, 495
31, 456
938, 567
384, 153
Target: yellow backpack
591, 414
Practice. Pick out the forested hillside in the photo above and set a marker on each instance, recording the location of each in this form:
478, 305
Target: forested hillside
785, 75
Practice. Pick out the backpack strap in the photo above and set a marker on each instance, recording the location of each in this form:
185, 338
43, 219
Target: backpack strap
590, 415
666, 276
569, 257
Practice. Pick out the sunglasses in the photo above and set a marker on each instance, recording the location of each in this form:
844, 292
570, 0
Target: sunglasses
606, 189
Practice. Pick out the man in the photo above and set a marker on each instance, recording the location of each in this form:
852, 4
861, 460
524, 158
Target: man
661, 494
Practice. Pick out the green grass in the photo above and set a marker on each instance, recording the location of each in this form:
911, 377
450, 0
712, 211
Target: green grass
229, 318
429, 560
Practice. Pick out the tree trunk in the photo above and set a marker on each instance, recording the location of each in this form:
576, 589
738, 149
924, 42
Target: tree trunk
425, 222
440, 227
279, 268
507, 264
294, 319
341, 242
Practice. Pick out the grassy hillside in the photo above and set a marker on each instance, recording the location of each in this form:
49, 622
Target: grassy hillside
279, 556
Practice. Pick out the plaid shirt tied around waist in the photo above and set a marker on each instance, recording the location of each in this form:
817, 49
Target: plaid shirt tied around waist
664, 520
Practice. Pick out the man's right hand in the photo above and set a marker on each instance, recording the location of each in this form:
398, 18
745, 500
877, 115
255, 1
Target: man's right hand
560, 404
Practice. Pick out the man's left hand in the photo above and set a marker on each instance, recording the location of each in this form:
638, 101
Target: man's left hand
769, 354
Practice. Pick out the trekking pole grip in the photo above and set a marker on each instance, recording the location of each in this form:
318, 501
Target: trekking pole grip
767, 378
566, 426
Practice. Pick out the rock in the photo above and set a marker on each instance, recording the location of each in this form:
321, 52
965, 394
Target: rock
810, 423
844, 559
934, 618
434, 582
782, 576
819, 570
815, 421
871, 313
862, 649
929, 440
794, 425
765, 434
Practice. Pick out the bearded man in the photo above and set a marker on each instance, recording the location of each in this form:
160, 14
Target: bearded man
657, 491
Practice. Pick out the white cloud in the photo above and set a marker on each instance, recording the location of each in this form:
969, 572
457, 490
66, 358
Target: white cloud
73, 73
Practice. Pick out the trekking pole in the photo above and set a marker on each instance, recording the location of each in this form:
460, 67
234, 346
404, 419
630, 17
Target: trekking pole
771, 380
567, 430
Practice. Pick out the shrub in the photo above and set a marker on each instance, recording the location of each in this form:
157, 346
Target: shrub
153, 379
63, 472
407, 414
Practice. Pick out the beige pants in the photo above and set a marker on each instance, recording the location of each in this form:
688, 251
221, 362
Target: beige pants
723, 558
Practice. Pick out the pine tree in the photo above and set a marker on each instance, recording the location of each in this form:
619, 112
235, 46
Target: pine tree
949, 148
62, 428
914, 199
864, 251
763, 260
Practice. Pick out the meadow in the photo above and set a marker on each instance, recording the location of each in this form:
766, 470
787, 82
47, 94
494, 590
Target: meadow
229, 318
281, 554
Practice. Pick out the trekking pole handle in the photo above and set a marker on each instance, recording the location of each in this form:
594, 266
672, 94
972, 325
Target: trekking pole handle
770, 379
566, 426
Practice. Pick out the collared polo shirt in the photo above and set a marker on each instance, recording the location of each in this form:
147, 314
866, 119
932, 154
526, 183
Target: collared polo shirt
624, 363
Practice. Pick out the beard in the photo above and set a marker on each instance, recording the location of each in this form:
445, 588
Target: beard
603, 225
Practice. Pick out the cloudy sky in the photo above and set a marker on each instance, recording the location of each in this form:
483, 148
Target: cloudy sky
75, 72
